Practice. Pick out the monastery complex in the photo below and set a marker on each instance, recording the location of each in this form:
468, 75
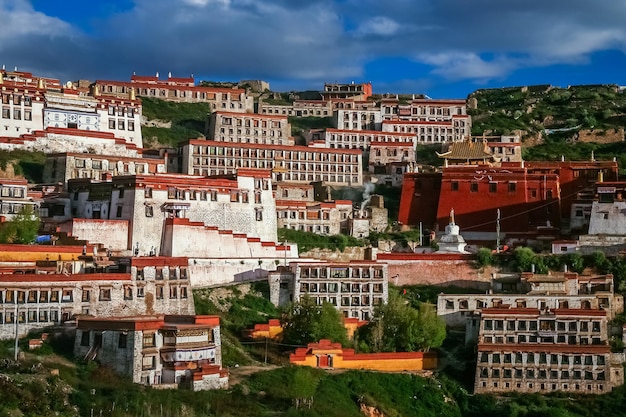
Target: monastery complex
128, 233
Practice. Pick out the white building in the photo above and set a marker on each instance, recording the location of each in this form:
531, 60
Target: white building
160, 351
241, 204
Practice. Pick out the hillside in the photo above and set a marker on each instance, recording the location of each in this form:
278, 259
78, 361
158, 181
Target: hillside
49, 382
536, 111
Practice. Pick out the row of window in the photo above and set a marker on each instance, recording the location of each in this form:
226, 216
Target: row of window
67, 295
368, 139
248, 132
164, 273
17, 114
247, 122
121, 124
17, 99
542, 325
308, 228
308, 215
273, 154
16, 192
340, 272
520, 303
121, 111
526, 358
291, 112
358, 301
345, 287
542, 374
534, 338
543, 386
286, 176
30, 316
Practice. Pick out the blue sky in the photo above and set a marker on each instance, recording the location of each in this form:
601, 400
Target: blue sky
443, 48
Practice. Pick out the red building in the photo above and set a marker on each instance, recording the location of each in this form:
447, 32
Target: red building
526, 200
419, 198
528, 194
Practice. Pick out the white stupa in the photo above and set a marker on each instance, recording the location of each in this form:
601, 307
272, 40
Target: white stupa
451, 241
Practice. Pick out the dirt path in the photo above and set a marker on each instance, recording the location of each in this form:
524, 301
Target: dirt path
238, 374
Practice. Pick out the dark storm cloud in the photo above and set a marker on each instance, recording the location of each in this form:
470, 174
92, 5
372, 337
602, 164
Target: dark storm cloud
313, 40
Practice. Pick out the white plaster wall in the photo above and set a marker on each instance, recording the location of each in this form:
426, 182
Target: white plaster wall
113, 234
58, 143
16, 127
614, 224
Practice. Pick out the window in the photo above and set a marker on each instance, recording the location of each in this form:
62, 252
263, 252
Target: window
86, 296
111, 123
493, 187
122, 341
454, 186
259, 215
474, 187
120, 124
512, 187
148, 340
17, 114
105, 294
131, 125
149, 211
119, 211
84, 338
148, 192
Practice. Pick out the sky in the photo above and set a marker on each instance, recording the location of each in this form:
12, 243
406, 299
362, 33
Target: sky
442, 48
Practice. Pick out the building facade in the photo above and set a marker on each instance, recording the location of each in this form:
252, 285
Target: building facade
241, 204
354, 288
325, 218
159, 351
299, 108
62, 167
533, 350
350, 139
49, 298
353, 91
15, 198
249, 128
180, 89
365, 117
297, 164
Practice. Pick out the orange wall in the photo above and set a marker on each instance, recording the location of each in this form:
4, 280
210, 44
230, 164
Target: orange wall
32, 253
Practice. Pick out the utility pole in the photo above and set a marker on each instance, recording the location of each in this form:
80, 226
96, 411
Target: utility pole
498, 232
421, 241
16, 326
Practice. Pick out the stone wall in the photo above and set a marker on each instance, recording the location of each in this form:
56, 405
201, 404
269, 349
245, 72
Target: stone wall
435, 269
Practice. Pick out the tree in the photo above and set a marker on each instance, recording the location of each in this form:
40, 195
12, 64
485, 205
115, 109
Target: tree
304, 384
524, 259
484, 257
398, 327
304, 322
23, 228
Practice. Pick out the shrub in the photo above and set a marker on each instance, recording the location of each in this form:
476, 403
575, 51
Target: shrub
484, 257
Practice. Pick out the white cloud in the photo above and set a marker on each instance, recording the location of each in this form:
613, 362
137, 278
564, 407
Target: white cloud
379, 25
18, 19
467, 65
203, 3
